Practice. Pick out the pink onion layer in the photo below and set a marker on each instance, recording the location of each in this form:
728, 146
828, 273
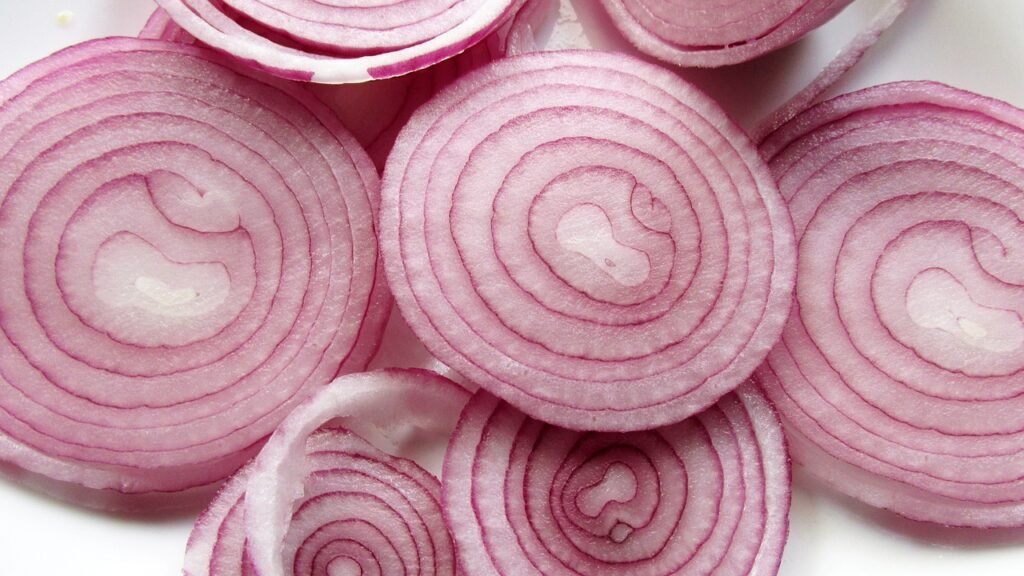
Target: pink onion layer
709, 495
711, 33
899, 374
588, 237
320, 497
340, 42
188, 251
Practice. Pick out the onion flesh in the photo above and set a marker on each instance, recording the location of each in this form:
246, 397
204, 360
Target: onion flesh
898, 375
189, 251
589, 238
709, 495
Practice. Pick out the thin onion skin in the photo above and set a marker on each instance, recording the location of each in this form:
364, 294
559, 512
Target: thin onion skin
299, 50
708, 37
198, 254
485, 198
898, 375
709, 495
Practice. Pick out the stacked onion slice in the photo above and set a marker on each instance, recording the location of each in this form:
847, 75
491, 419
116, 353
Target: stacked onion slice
709, 495
188, 251
343, 41
900, 374
711, 33
321, 499
376, 111
589, 238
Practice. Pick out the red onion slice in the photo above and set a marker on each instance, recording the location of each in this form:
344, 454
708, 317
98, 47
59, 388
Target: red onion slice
189, 252
340, 43
720, 32
899, 372
588, 237
312, 501
709, 495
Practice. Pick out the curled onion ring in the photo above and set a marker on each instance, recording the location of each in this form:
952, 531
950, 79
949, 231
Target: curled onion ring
709, 495
588, 237
320, 499
188, 251
899, 374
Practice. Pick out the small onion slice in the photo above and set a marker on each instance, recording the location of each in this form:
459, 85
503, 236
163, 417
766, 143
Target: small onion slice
188, 252
709, 495
339, 43
716, 33
900, 374
588, 237
311, 499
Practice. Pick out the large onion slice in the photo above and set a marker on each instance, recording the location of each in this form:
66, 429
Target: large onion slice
899, 374
320, 499
344, 42
709, 495
588, 237
188, 251
717, 33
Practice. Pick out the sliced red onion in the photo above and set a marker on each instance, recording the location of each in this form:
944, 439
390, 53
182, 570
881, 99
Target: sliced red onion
718, 32
588, 237
339, 43
709, 495
899, 374
320, 498
189, 251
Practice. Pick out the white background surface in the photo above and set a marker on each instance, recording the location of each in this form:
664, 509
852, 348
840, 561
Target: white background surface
974, 44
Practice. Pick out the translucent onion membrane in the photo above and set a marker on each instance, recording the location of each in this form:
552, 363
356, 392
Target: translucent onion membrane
320, 499
711, 33
709, 495
341, 41
188, 251
588, 237
901, 371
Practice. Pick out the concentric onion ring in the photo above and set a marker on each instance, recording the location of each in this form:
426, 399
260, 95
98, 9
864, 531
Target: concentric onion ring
340, 42
188, 252
588, 237
718, 32
709, 495
899, 374
317, 499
